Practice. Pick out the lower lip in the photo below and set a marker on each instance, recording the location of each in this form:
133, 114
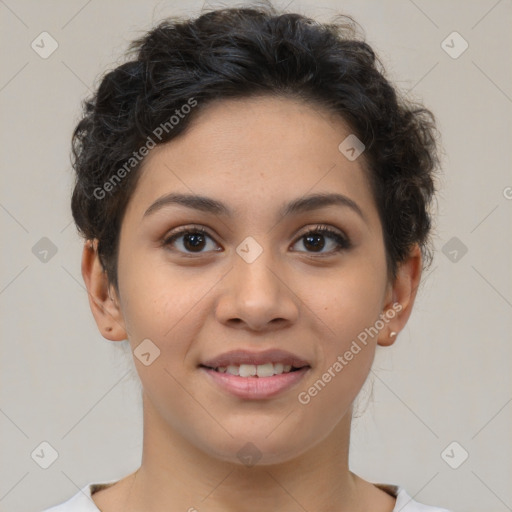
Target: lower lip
254, 388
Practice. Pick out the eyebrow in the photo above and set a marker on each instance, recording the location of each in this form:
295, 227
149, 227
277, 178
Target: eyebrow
297, 206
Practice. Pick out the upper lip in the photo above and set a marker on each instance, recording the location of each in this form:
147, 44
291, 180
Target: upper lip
238, 357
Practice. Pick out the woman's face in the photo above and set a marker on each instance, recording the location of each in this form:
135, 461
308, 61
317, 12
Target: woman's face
253, 281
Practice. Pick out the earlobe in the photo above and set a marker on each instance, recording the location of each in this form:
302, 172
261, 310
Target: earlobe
402, 297
103, 299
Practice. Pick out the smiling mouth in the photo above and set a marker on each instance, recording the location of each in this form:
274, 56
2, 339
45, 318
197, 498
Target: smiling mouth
256, 370
255, 382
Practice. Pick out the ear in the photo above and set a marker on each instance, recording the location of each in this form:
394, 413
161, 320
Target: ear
103, 298
400, 297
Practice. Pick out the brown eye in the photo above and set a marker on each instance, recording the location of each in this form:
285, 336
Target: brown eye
314, 240
194, 240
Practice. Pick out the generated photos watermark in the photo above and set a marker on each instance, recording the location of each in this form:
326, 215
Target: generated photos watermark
133, 161
343, 360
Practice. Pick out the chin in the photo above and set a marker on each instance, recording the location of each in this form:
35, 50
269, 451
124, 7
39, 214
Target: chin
256, 446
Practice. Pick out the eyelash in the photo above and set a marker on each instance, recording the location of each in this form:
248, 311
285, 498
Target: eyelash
343, 243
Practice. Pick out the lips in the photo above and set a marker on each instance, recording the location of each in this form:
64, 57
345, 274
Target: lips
244, 357
255, 375
255, 388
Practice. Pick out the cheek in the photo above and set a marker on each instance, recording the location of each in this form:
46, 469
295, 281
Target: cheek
351, 301
350, 306
345, 359
156, 296
166, 306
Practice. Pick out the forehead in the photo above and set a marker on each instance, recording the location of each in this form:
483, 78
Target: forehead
253, 154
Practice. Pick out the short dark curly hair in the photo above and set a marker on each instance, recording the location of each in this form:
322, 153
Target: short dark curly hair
243, 52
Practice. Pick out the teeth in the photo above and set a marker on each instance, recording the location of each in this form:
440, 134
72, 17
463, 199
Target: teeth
250, 370
247, 370
279, 368
233, 370
265, 370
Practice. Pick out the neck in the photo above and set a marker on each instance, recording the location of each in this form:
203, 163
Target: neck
176, 475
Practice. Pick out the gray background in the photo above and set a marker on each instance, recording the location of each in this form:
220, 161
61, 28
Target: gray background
447, 378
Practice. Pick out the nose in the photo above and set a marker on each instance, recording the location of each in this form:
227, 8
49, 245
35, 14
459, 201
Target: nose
257, 295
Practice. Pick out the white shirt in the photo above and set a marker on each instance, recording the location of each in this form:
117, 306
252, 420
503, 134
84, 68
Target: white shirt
82, 501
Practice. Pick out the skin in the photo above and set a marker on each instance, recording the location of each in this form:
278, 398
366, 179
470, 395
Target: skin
253, 155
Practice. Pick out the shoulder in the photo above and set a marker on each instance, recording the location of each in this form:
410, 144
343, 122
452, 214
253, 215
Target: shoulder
82, 501
404, 503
